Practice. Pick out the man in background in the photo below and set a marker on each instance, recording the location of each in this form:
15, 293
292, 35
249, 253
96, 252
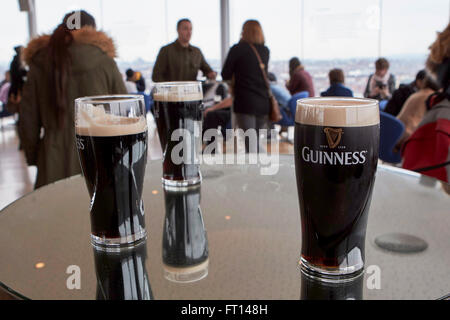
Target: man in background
337, 88
179, 60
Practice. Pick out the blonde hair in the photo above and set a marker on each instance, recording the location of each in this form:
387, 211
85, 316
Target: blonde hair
440, 50
252, 32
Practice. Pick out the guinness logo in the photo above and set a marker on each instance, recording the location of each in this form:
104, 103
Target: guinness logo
333, 136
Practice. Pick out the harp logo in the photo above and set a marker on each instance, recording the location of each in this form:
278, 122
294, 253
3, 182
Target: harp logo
334, 136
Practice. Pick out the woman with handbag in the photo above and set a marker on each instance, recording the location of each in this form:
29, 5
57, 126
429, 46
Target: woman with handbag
246, 64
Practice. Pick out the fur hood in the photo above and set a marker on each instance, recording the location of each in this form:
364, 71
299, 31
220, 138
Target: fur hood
85, 35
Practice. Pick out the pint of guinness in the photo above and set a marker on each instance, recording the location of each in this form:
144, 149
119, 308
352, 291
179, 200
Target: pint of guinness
178, 114
111, 137
336, 155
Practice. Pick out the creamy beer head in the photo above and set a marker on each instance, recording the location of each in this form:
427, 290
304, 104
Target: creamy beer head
178, 91
94, 121
338, 112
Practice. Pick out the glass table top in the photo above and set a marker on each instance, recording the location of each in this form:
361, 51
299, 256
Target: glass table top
237, 236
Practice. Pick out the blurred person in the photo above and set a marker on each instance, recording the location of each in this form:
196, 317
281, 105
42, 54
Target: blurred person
219, 115
217, 102
403, 92
427, 150
213, 92
337, 88
6, 79
4, 88
129, 82
137, 78
65, 65
300, 79
381, 84
283, 96
179, 60
251, 105
18, 74
415, 107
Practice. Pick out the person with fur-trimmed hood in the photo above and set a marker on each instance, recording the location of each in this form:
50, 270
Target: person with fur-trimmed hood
74, 61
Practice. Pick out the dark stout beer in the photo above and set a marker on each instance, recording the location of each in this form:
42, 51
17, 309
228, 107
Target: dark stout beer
122, 275
185, 245
173, 112
336, 155
113, 159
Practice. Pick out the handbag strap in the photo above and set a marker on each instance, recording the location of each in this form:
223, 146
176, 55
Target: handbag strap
263, 71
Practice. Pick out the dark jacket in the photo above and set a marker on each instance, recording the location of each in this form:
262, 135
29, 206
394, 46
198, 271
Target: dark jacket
177, 63
300, 81
250, 91
337, 90
94, 72
399, 97
140, 84
18, 74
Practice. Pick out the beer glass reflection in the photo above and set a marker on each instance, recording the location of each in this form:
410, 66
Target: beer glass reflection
185, 244
122, 275
178, 114
313, 289
336, 155
111, 137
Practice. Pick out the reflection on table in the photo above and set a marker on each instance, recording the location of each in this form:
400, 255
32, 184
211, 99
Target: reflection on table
185, 244
122, 275
315, 289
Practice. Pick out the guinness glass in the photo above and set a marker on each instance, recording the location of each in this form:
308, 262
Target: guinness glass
185, 245
178, 114
111, 137
336, 155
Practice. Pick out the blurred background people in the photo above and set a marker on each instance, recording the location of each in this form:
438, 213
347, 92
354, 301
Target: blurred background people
18, 74
300, 79
428, 149
283, 96
337, 88
65, 65
381, 84
403, 92
179, 60
217, 101
4, 88
137, 78
415, 107
130, 84
251, 105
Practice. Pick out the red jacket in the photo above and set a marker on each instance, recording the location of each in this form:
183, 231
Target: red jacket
427, 151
